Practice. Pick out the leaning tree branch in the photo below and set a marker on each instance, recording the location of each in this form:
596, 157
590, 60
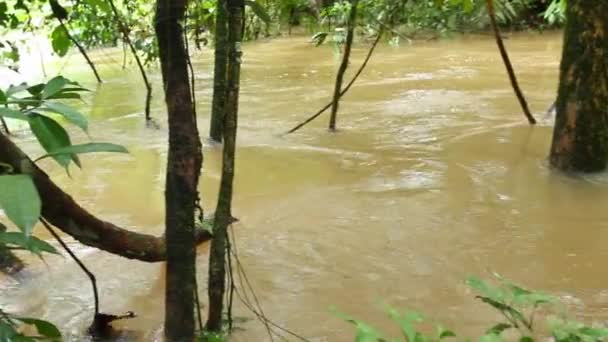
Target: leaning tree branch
352, 81
83, 52
60, 209
508, 65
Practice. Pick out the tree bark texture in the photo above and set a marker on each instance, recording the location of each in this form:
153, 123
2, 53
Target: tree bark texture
352, 23
223, 213
580, 136
63, 212
184, 164
219, 76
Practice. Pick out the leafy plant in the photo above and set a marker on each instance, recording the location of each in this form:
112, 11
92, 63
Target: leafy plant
518, 307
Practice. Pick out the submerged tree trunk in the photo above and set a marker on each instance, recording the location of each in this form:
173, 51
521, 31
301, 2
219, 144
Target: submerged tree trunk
580, 136
184, 164
223, 213
219, 77
352, 23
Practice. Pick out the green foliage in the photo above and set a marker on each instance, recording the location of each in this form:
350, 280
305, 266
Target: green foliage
60, 41
516, 305
20, 202
11, 326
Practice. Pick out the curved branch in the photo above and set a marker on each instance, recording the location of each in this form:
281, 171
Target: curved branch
63, 212
508, 65
350, 84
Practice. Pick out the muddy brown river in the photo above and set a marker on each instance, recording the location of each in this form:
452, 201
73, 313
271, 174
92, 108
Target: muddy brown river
434, 175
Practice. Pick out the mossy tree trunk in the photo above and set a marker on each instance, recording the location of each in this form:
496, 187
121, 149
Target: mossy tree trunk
580, 136
223, 212
218, 107
183, 171
352, 23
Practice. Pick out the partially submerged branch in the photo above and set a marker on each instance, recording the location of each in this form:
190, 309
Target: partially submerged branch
350, 84
63, 212
508, 65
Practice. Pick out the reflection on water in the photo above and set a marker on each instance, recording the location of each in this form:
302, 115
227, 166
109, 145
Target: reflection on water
434, 175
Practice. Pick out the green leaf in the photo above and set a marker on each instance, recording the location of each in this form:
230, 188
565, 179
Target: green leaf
86, 148
54, 86
526, 339
499, 328
319, 38
36, 89
444, 333
3, 98
60, 41
31, 243
44, 328
490, 338
486, 289
13, 114
12, 90
20, 201
51, 136
71, 114
259, 10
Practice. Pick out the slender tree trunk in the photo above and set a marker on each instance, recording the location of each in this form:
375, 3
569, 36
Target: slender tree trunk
352, 23
580, 136
184, 164
219, 77
223, 213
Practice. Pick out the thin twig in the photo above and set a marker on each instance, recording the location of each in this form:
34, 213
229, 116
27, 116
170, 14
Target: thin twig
81, 49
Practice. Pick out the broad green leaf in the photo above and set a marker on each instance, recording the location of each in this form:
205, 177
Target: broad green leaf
259, 10
486, 289
31, 243
54, 86
71, 114
20, 201
86, 148
7, 331
51, 136
13, 114
60, 41
44, 328
444, 333
2, 97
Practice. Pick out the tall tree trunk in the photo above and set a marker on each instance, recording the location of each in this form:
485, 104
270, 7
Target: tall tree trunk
184, 164
223, 213
352, 22
219, 76
580, 136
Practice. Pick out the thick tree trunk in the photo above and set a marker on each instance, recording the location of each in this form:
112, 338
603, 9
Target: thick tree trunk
183, 171
219, 77
580, 136
352, 23
223, 213
64, 213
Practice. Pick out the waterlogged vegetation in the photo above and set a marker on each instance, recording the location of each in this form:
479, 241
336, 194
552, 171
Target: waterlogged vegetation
45, 134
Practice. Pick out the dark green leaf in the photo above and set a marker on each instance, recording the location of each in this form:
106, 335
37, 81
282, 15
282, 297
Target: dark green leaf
526, 339
499, 328
3, 98
20, 201
51, 136
31, 243
87, 148
44, 328
71, 114
36, 89
259, 10
54, 86
446, 333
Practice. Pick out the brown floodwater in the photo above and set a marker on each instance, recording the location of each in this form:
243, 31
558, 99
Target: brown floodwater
434, 175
